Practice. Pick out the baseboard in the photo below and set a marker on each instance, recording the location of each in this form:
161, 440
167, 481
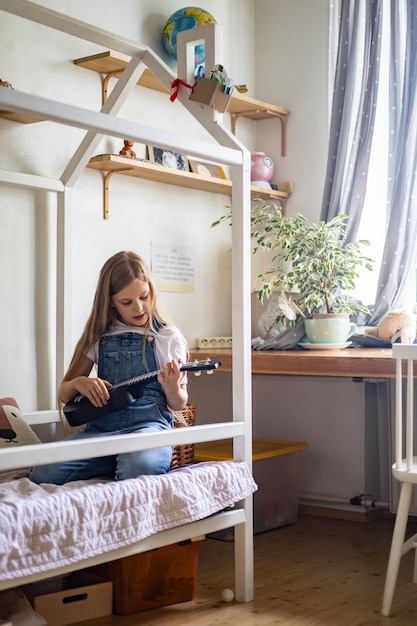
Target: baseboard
351, 513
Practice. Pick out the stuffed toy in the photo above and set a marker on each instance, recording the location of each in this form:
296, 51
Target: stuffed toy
13, 428
399, 324
14, 431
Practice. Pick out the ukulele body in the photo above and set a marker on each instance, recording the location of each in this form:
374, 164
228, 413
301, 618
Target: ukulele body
80, 410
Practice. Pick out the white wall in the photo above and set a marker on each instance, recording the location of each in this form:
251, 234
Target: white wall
38, 60
291, 62
279, 49
292, 34
291, 70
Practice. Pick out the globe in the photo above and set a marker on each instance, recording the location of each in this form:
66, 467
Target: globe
185, 19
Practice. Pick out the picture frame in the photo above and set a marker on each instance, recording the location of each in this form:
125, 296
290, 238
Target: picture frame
168, 158
210, 170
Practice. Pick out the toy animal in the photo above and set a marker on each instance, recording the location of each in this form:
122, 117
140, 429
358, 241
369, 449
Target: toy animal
395, 325
13, 428
127, 149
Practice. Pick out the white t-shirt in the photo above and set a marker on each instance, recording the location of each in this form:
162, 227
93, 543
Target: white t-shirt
169, 343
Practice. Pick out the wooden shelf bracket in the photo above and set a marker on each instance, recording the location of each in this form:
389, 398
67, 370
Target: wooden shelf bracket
105, 78
106, 181
282, 118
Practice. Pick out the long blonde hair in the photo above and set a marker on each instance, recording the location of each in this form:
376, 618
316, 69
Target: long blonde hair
117, 272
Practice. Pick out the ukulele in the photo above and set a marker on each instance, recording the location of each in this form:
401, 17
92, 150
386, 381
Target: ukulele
80, 410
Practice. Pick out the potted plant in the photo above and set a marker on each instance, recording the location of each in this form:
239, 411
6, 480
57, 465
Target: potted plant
311, 269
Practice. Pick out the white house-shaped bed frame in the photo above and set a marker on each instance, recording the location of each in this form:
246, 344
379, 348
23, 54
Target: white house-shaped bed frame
226, 149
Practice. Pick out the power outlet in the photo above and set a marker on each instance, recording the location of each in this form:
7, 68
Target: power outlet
214, 342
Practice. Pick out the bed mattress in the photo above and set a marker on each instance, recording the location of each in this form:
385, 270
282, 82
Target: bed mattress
43, 527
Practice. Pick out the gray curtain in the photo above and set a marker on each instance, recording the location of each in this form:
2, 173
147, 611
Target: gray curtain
351, 131
353, 111
400, 251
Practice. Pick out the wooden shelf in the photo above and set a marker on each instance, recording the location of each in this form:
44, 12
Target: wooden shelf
21, 118
349, 363
160, 174
114, 63
111, 65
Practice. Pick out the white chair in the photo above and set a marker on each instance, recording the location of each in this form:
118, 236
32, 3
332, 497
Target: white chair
404, 468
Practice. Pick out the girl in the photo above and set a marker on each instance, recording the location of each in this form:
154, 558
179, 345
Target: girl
125, 336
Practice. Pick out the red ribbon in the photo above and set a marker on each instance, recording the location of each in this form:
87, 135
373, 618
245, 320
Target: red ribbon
175, 86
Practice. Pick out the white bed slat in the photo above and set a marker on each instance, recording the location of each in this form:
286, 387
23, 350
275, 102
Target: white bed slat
58, 451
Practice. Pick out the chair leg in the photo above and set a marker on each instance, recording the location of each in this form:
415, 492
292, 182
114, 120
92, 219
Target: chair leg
415, 565
396, 547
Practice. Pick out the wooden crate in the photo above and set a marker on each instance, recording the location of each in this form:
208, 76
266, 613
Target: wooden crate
153, 579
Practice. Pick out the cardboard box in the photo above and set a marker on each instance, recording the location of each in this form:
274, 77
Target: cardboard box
69, 599
153, 579
277, 470
210, 92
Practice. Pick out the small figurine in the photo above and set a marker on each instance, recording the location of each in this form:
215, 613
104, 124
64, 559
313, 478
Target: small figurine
5, 83
127, 149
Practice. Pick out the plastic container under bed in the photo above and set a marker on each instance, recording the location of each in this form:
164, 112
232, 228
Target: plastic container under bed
277, 470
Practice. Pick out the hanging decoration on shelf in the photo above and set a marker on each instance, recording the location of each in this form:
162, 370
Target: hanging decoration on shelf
175, 86
214, 90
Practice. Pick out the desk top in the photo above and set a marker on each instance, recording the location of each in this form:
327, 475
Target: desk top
349, 363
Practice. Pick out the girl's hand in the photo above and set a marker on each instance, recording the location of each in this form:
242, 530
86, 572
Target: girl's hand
170, 375
95, 389
175, 391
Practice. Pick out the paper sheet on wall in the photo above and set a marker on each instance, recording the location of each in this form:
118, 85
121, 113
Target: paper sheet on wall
173, 267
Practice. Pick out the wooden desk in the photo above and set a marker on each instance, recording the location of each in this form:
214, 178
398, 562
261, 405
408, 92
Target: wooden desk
312, 396
349, 363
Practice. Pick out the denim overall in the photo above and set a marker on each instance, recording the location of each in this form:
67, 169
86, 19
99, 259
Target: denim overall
120, 358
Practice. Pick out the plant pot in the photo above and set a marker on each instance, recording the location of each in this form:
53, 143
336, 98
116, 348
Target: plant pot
329, 328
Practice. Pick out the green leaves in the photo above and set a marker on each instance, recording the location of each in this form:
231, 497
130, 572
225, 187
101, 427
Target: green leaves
309, 260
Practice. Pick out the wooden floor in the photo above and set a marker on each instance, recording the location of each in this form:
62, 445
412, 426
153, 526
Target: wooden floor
317, 572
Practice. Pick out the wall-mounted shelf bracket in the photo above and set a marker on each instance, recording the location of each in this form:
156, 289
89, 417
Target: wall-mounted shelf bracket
106, 182
254, 114
105, 83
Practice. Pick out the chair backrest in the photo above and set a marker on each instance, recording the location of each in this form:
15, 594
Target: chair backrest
404, 353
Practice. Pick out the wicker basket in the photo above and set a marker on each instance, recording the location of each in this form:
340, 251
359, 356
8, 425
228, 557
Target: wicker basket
184, 454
